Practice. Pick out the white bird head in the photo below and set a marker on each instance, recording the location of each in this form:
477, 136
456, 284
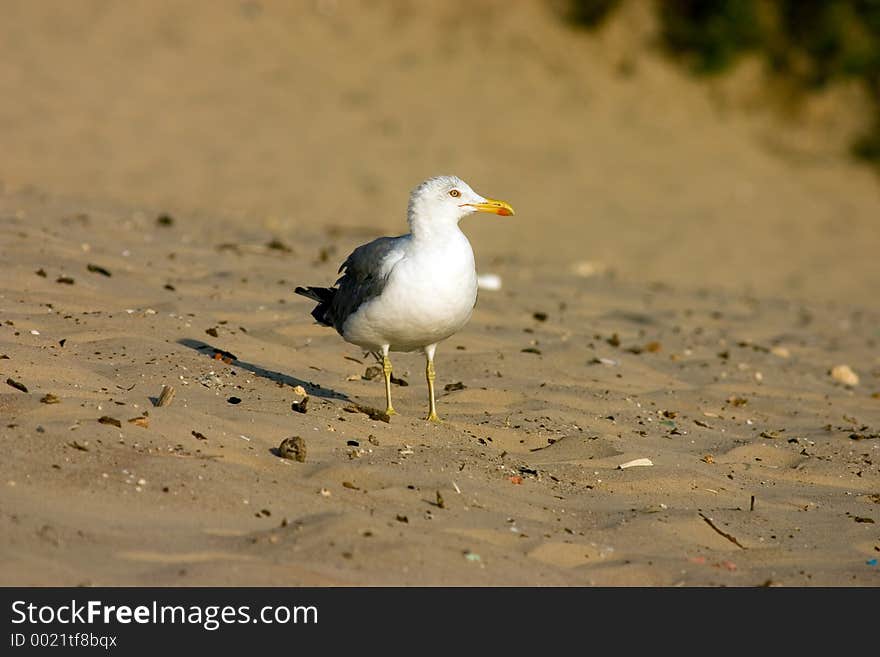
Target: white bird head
444, 200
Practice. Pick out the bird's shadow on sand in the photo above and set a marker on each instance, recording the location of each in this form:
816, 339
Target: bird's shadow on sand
313, 389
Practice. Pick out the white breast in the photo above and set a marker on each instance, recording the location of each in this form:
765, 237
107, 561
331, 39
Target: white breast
429, 295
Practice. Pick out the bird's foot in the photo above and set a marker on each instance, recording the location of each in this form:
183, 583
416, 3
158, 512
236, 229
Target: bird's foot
433, 417
390, 411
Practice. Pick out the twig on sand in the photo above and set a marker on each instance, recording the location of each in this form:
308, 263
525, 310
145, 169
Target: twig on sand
723, 533
187, 455
166, 396
373, 413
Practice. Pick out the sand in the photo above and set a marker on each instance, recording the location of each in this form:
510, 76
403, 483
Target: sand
681, 277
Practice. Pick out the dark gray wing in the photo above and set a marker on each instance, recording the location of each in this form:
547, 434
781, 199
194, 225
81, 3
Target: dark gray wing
363, 279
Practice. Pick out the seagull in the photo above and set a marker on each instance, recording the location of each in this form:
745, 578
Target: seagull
410, 292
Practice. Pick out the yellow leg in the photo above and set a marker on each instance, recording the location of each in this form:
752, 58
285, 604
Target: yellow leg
429, 373
386, 370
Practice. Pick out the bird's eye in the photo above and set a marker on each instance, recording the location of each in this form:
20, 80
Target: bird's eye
455, 193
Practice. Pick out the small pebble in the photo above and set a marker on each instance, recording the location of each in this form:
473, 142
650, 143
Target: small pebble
844, 374
780, 352
300, 406
293, 448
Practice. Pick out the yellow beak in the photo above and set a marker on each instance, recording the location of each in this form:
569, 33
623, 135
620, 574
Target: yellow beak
495, 207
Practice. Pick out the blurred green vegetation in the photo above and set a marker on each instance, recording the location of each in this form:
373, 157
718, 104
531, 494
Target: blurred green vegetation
712, 33
813, 43
591, 13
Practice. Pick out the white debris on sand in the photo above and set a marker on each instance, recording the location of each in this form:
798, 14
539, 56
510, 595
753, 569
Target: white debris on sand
635, 463
491, 282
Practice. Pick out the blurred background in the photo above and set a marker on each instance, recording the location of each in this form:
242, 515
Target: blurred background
721, 143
